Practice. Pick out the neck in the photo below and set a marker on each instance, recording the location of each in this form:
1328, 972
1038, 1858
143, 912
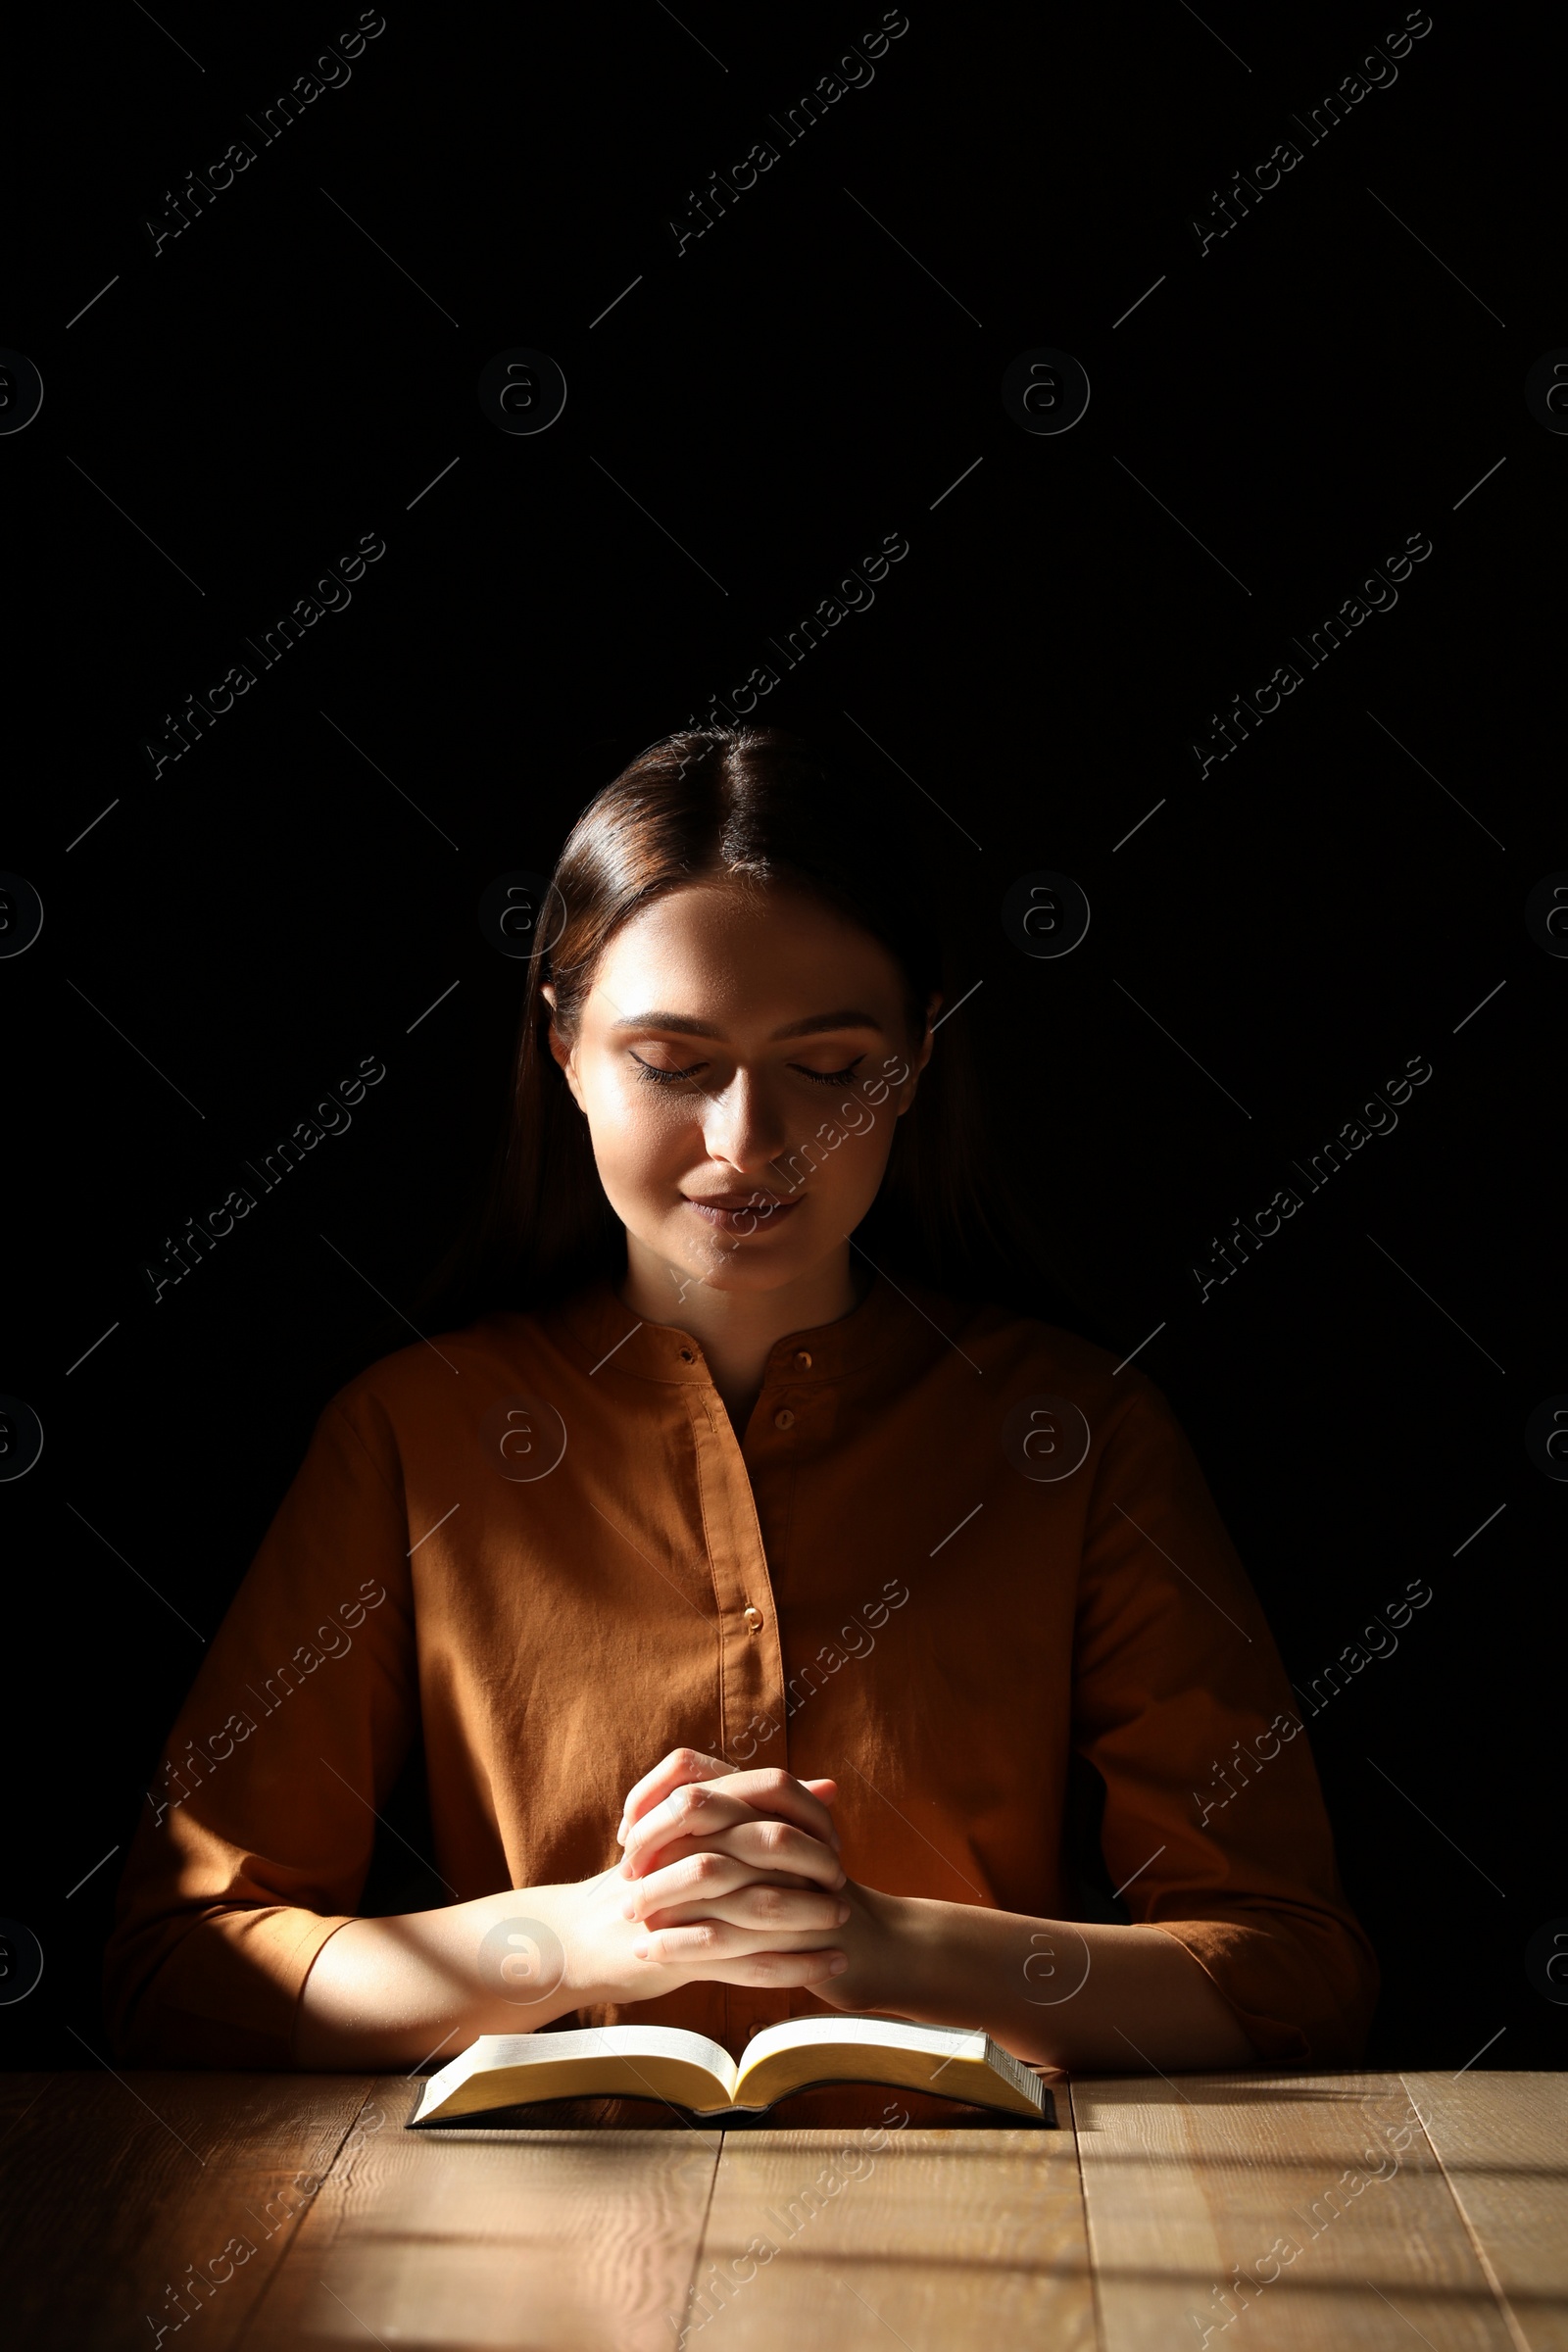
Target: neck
737, 1330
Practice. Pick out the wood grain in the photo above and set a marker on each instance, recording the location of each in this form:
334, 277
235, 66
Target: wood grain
486, 2238
1503, 2140
1277, 2213
1432, 2208
870, 2235
118, 2189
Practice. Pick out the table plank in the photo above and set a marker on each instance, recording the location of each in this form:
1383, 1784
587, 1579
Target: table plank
123, 2190
1503, 2140
954, 2239
1312, 2207
486, 2238
1427, 2202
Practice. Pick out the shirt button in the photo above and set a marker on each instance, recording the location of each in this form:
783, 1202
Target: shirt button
803, 1359
784, 1419
753, 1620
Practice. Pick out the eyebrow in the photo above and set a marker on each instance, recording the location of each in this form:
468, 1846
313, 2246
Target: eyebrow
684, 1026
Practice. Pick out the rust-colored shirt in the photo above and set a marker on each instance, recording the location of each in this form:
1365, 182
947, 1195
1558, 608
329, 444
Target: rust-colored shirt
952, 1546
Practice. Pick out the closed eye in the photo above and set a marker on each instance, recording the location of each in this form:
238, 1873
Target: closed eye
652, 1071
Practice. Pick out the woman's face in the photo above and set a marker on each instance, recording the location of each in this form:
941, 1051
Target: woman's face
741, 1059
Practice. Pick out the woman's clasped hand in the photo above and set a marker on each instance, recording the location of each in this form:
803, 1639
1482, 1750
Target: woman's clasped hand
733, 1877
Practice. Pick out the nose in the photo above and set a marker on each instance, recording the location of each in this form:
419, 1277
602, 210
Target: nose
744, 1127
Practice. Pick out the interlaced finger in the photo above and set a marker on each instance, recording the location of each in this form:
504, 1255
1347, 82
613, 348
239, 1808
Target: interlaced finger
712, 1887
768, 1846
768, 1790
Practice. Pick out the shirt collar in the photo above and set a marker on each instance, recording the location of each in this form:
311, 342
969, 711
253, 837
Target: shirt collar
596, 1329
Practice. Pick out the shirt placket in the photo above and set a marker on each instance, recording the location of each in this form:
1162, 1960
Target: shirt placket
752, 1701
751, 1662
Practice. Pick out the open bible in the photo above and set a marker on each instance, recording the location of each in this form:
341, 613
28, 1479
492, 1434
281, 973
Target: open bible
688, 2071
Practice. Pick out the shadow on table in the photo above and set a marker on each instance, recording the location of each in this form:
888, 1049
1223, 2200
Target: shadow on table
826, 2107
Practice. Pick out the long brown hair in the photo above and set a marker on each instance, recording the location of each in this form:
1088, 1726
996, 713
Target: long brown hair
763, 806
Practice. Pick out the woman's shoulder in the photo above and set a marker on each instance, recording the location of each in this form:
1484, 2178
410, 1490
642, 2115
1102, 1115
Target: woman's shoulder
1004, 1337
461, 1370
1029, 1362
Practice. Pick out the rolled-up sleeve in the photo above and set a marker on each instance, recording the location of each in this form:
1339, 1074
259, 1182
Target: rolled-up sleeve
256, 1832
1213, 1811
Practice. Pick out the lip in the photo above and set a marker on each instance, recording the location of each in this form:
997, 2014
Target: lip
742, 1213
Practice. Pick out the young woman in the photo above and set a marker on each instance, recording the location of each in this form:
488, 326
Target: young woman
750, 1585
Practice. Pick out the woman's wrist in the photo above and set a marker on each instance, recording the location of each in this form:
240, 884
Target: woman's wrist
889, 1952
1054, 1993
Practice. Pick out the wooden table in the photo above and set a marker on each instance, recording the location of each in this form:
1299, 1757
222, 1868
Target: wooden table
1341, 2210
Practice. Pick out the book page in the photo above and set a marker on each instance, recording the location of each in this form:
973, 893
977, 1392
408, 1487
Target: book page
504, 2070
874, 2033
956, 2062
592, 2041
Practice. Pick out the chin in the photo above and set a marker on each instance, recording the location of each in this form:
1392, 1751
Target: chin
757, 1273
766, 1266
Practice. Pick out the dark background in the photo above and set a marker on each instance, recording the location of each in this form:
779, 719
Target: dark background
745, 425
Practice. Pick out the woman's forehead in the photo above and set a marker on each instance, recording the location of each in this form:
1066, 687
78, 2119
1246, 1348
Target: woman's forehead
741, 942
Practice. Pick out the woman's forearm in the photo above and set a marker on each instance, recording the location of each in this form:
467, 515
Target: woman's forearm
390, 1992
1056, 1994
